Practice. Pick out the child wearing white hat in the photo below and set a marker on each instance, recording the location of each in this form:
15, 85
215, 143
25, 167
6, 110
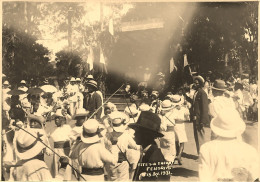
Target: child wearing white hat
167, 142
180, 114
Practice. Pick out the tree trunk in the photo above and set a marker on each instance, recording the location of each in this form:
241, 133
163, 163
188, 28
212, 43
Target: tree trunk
70, 29
240, 67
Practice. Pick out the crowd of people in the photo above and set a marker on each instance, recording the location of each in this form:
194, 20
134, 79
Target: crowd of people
95, 141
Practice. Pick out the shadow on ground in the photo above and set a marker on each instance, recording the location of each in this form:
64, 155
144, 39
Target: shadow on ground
189, 156
183, 172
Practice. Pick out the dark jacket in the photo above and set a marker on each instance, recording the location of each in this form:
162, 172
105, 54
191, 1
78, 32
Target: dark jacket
152, 156
93, 103
200, 108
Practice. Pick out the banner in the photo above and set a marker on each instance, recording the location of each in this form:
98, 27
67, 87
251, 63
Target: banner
90, 59
185, 60
111, 27
172, 65
102, 60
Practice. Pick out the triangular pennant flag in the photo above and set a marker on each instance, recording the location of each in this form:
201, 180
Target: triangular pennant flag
185, 60
90, 59
172, 65
102, 58
111, 27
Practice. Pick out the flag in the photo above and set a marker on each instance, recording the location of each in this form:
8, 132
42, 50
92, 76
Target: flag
172, 65
186, 64
185, 60
102, 60
187, 70
111, 27
90, 59
226, 59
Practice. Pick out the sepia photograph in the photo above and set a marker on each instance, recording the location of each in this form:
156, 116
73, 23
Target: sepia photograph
129, 91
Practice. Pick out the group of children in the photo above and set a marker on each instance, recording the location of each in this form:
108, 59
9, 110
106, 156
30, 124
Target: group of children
95, 149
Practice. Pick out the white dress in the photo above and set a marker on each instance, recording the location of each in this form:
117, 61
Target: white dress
179, 128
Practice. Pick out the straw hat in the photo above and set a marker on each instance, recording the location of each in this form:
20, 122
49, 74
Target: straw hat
58, 113
199, 78
131, 111
155, 93
92, 83
228, 123
148, 121
23, 82
144, 107
111, 106
90, 77
119, 120
90, 131
26, 146
78, 79
72, 79
81, 112
177, 100
219, 85
41, 119
166, 105
6, 82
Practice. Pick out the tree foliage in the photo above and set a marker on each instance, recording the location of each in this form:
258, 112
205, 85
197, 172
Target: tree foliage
23, 58
224, 35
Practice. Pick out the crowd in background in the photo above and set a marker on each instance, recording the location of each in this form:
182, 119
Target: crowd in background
94, 141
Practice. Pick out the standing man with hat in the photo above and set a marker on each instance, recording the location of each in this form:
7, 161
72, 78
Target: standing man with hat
80, 96
60, 137
199, 111
22, 86
72, 90
6, 98
30, 168
227, 158
91, 153
146, 131
29, 150
95, 100
220, 101
36, 123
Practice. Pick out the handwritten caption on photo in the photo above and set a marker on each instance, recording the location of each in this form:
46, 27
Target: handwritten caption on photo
157, 168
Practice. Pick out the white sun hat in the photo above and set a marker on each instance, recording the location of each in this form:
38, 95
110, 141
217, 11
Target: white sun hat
166, 105
228, 123
26, 146
119, 121
90, 133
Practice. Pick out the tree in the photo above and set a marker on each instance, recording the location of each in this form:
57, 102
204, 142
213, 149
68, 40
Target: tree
67, 64
217, 37
23, 58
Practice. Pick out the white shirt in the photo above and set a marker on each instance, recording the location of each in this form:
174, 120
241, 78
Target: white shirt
219, 103
222, 158
125, 141
167, 120
61, 133
92, 155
